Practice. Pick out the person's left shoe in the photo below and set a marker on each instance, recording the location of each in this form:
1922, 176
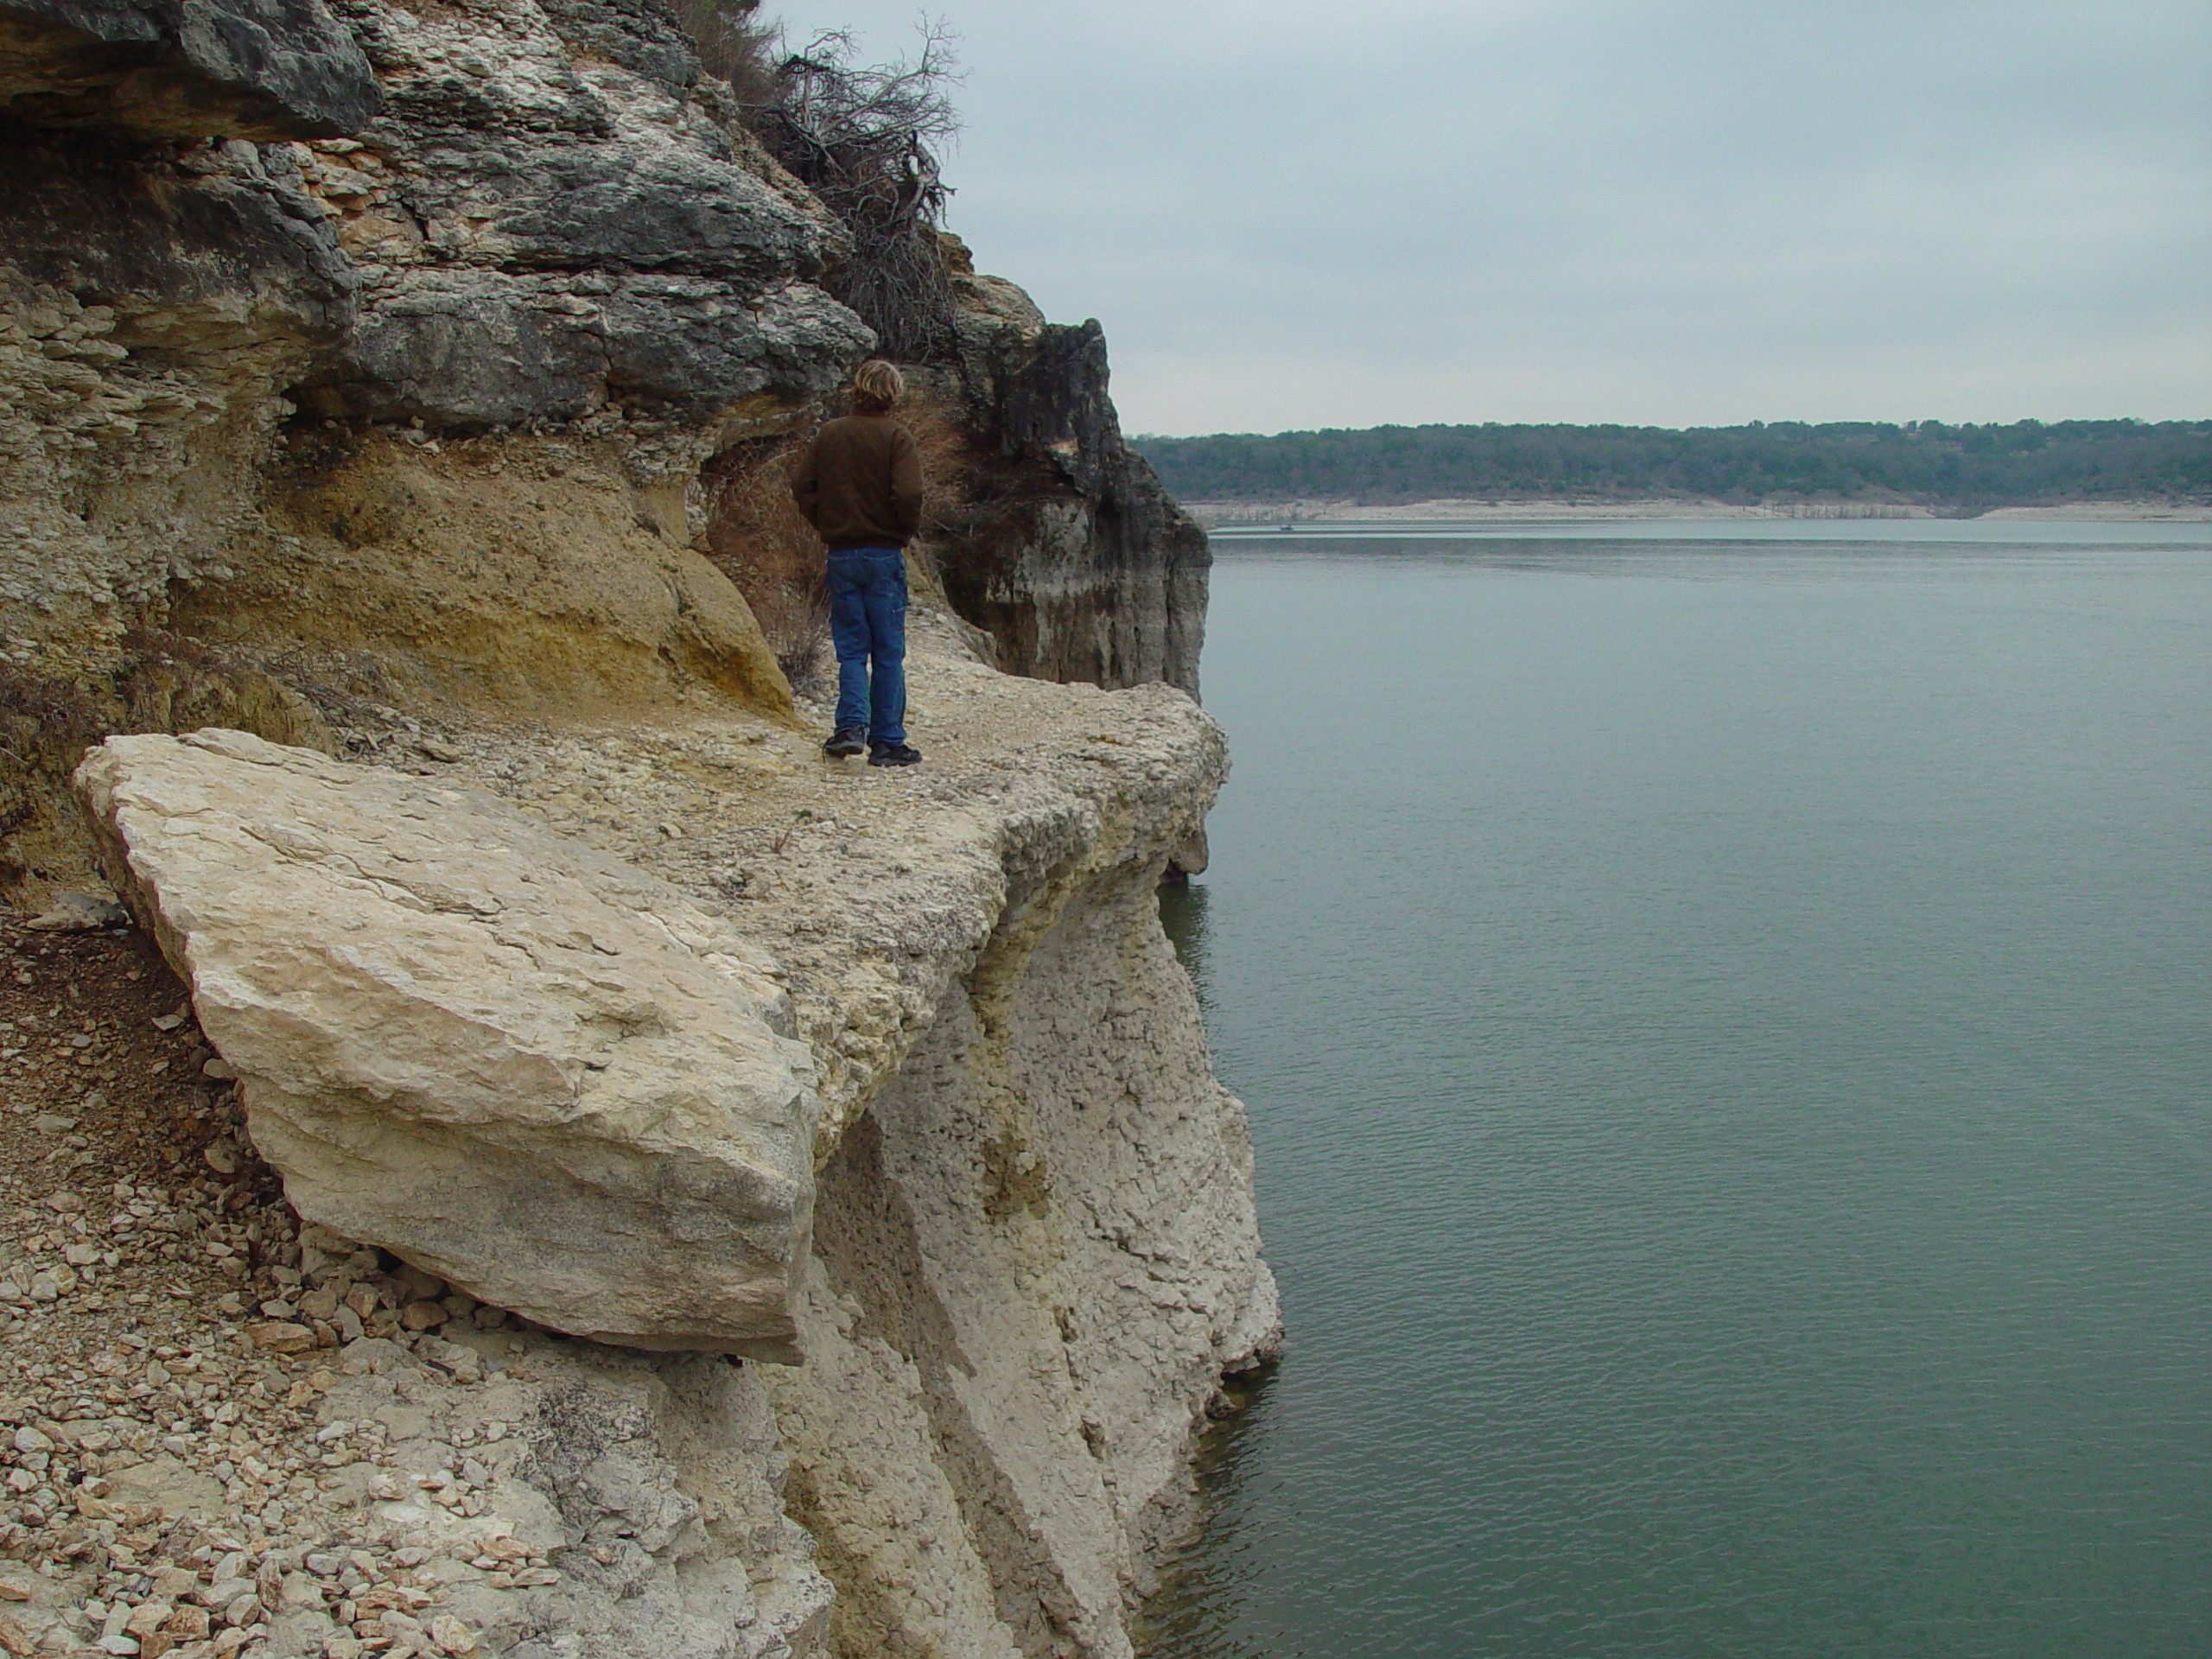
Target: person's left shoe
845, 740
893, 754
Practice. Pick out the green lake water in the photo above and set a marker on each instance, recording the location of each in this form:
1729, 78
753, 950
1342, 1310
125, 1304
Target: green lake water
1726, 1016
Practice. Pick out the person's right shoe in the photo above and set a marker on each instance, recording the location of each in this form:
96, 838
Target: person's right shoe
845, 740
892, 754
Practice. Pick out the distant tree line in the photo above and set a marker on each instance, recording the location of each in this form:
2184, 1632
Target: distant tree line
1959, 469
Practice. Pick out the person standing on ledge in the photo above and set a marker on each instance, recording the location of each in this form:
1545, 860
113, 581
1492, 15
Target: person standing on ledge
860, 485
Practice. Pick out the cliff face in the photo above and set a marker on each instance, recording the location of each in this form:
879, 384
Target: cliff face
531, 232
1033, 1252
357, 369
417, 411
1067, 551
249, 68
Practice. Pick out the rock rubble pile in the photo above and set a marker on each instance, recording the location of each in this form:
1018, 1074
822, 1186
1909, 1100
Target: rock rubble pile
224, 1433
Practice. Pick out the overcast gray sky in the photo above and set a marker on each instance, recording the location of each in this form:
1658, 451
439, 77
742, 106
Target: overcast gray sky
1677, 211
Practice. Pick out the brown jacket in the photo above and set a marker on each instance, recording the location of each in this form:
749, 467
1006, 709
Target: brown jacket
859, 482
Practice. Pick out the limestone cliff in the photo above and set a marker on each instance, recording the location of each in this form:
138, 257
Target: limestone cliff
358, 366
1065, 549
415, 410
1029, 1252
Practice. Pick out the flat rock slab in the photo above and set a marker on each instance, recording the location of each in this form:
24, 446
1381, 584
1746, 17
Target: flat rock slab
521, 1065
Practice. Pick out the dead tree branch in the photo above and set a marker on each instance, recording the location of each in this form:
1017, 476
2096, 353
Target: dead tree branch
865, 139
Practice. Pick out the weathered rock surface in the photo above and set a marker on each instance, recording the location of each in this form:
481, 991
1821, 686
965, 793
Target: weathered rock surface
530, 229
293, 1451
174, 69
1033, 1257
1035, 1245
519, 571
413, 415
518, 1064
150, 311
1072, 555
548, 223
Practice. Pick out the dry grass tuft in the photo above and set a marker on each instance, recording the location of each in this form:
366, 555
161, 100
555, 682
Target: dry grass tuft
757, 535
932, 413
46, 725
46, 718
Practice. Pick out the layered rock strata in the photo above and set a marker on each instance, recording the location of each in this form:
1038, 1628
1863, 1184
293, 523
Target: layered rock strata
250, 68
525, 226
548, 225
1068, 551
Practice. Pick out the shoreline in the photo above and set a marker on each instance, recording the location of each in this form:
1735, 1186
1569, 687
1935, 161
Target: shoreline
1238, 514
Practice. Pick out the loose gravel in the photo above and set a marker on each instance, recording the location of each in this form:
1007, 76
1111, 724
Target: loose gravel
168, 1334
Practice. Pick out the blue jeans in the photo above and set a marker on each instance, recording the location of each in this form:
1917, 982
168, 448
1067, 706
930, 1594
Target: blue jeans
867, 625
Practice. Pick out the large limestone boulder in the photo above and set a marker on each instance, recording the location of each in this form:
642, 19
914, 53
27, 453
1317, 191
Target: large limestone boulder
519, 1063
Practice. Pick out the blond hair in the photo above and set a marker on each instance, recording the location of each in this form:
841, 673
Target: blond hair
877, 384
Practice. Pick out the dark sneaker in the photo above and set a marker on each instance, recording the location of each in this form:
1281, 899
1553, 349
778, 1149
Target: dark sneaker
846, 740
893, 754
